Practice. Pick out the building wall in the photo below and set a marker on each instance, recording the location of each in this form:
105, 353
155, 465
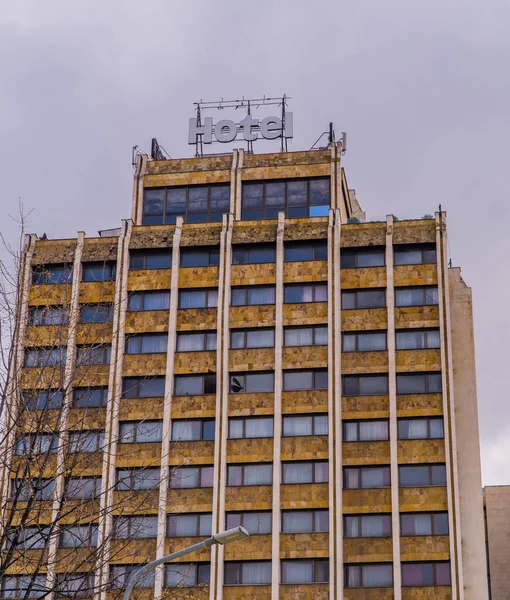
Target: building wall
497, 510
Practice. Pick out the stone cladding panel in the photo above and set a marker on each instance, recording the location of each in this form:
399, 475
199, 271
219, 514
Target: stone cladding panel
310, 447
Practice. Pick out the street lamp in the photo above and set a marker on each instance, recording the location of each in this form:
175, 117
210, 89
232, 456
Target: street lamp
225, 537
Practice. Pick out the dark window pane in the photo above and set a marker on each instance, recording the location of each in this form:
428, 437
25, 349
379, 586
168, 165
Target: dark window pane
441, 523
298, 252
253, 195
372, 299
438, 475
275, 194
154, 201
414, 476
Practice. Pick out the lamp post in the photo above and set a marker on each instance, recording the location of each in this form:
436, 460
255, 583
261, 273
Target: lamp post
225, 537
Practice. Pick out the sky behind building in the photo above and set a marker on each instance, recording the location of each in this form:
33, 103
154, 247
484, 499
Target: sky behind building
421, 88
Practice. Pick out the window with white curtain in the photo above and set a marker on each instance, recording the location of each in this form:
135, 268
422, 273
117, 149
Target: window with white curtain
252, 338
305, 292
75, 585
314, 570
251, 382
189, 525
424, 523
187, 574
364, 341
366, 431
192, 430
316, 379
419, 383
192, 477
93, 355
426, 573
305, 425
196, 341
371, 575
250, 427
147, 343
422, 475
120, 575
366, 477
37, 443
305, 472
86, 441
36, 487
251, 474
135, 527
356, 526
256, 523
306, 336
305, 521
207, 298
78, 536
23, 586
131, 432
253, 295
416, 296
250, 572
424, 428
417, 339
41, 399
83, 488
137, 479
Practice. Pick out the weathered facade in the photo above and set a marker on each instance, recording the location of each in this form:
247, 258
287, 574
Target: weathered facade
353, 339
497, 519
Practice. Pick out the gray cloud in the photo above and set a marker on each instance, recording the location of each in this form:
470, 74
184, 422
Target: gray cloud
422, 88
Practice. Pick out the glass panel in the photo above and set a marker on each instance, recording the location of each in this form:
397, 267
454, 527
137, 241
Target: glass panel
433, 338
299, 336
353, 576
408, 256
375, 526
259, 427
275, 193
297, 426
349, 342
321, 293
197, 198
371, 342
321, 520
373, 258
235, 475
192, 299
297, 380
297, 571
156, 344
156, 301
234, 520
429, 256
195, 258
319, 191
351, 525
377, 575
206, 477
297, 193
150, 431
409, 297
443, 573
220, 197
182, 525
252, 195
416, 475
298, 252
190, 342
186, 430
180, 575
321, 472
411, 384
436, 428
351, 431
438, 475
186, 385
348, 300
232, 573
256, 572
258, 474
321, 336
412, 429
257, 523
370, 431
235, 429
176, 200
261, 295
185, 477
262, 254
298, 472
431, 296
205, 525
410, 340
371, 299
150, 388
260, 382
321, 380
321, 425
375, 477
298, 521
208, 429
373, 385
263, 338
434, 383
412, 574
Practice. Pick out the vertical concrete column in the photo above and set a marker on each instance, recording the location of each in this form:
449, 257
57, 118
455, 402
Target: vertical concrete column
221, 423
233, 181
392, 391
164, 481
239, 186
277, 410
67, 384
112, 408
448, 409
335, 407
15, 366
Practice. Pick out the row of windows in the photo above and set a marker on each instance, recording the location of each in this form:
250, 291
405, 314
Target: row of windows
294, 571
56, 357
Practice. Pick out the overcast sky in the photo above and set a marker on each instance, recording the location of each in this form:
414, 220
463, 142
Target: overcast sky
421, 87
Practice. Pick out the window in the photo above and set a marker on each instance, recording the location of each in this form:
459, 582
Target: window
75, 585
421, 429
45, 357
256, 474
296, 198
256, 523
79, 536
305, 521
415, 254
418, 339
137, 432
138, 301
314, 570
99, 271
200, 257
40, 400
253, 295
416, 296
195, 204
28, 538
83, 488
96, 313
424, 523
248, 572
189, 525
433, 573
49, 315
372, 575
193, 385
250, 427
90, 397
305, 472
365, 341
306, 336
39, 443
366, 477
137, 479
365, 431
147, 343
311, 292
305, 425
18, 586
360, 299
353, 258
40, 489
198, 298
187, 575
305, 380
253, 254
251, 382
196, 342
192, 477
135, 527
93, 355
120, 575
419, 383
52, 274
150, 259
304, 251
422, 475
143, 387
86, 441
193, 430
356, 526
365, 385
252, 338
